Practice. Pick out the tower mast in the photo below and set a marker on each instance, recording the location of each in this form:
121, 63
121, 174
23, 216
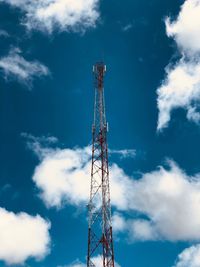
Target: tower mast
100, 240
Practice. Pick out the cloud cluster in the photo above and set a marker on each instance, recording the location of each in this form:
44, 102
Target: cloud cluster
190, 257
62, 15
168, 197
22, 236
14, 65
181, 86
63, 175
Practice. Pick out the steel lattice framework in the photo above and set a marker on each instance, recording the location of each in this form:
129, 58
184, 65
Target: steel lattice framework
100, 241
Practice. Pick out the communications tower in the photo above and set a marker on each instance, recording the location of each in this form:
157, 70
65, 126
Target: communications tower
100, 240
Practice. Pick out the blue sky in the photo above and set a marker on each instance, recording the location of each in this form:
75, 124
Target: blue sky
152, 91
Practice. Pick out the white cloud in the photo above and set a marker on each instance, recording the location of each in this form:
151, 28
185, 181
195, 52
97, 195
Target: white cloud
171, 200
63, 15
190, 257
15, 66
23, 236
184, 30
167, 197
181, 87
63, 175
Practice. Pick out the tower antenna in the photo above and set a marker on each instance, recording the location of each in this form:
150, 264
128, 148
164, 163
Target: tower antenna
100, 240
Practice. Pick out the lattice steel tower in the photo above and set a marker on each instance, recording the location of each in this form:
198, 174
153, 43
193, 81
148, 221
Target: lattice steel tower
100, 241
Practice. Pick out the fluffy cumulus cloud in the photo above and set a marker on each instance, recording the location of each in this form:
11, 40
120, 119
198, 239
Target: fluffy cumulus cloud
63, 15
167, 197
63, 176
171, 200
14, 65
23, 236
190, 257
181, 87
185, 30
